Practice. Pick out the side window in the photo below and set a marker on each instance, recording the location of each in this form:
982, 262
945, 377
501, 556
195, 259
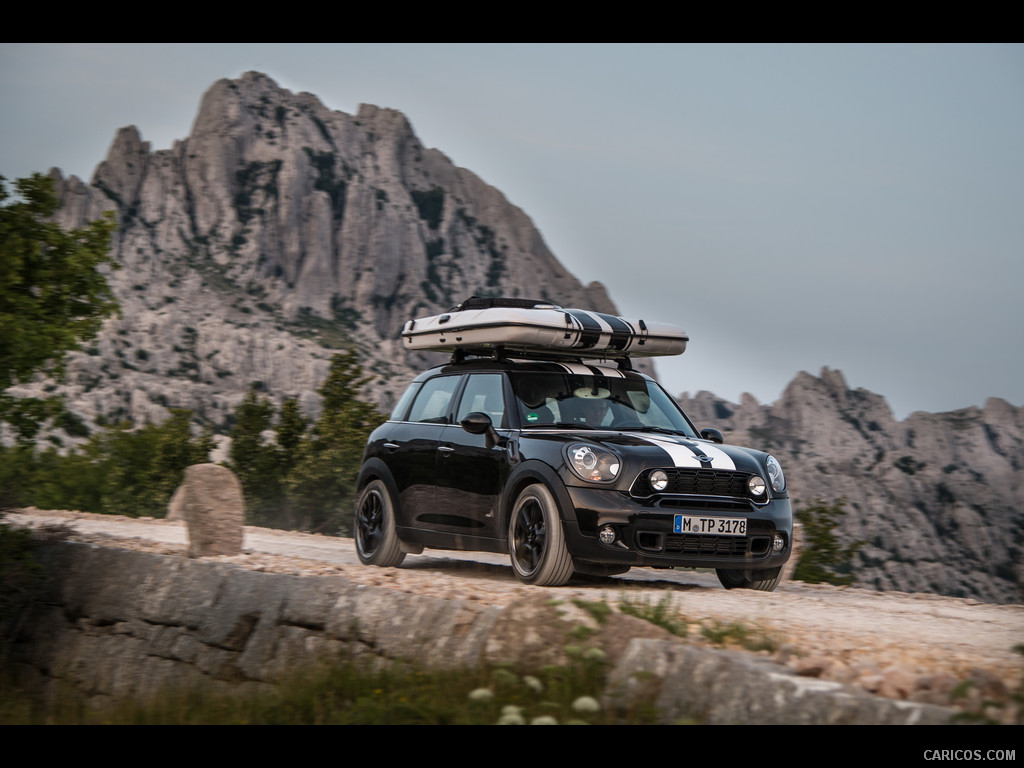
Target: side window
485, 393
431, 404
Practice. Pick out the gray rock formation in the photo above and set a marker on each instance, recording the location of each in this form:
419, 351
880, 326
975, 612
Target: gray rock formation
214, 510
938, 498
276, 233
114, 625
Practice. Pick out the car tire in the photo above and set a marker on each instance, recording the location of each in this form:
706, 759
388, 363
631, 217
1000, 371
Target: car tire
536, 542
376, 540
764, 580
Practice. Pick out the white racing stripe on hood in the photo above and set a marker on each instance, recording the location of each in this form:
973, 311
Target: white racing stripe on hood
683, 457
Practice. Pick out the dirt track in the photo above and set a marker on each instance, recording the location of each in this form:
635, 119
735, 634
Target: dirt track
852, 630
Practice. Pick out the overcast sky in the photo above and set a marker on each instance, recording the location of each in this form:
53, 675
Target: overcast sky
859, 207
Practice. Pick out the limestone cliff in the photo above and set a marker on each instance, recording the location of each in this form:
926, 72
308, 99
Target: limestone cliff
277, 232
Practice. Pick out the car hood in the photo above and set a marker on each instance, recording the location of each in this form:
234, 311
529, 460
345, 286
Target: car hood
658, 449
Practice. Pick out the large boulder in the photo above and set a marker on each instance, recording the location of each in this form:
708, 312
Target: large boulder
214, 510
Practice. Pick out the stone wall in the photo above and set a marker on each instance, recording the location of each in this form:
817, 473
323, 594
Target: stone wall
118, 624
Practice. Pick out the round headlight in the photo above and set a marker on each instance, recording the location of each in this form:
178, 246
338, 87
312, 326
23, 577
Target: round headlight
775, 475
593, 463
756, 485
658, 480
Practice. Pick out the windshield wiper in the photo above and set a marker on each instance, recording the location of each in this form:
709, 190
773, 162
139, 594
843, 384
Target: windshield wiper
561, 425
665, 430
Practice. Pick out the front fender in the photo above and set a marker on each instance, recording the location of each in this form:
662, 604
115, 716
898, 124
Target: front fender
525, 474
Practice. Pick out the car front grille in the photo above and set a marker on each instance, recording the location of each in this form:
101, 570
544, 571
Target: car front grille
696, 482
756, 544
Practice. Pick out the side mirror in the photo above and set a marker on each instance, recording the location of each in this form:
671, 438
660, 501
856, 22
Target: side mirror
478, 423
713, 435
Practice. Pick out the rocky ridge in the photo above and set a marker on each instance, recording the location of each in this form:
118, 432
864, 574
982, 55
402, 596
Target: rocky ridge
276, 233
928, 649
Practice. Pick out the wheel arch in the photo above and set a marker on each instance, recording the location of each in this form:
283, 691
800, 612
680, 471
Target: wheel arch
375, 469
526, 474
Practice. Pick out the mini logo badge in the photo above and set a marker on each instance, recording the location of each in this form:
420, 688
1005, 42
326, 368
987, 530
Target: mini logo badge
704, 459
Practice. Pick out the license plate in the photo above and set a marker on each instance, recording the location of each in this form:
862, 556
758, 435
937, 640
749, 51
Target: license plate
714, 526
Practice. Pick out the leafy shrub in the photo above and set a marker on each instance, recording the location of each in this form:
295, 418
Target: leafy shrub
823, 560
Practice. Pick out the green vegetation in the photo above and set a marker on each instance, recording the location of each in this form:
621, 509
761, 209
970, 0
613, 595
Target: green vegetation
430, 205
909, 465
737, 633
52, 294
305, 477
333, 333
349, 694
119, 470
661, 614
977, 709
823, 560
255, 177
599, 610
321, 484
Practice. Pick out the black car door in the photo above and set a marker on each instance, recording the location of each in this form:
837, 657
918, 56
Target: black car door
470, 474
412, 450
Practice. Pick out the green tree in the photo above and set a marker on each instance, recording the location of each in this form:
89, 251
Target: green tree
52, 293
255, 461
322, 483
823, 560
291, 428
142, 468
120, 470
291, 431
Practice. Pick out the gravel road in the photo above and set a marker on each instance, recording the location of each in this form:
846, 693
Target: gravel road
852, 632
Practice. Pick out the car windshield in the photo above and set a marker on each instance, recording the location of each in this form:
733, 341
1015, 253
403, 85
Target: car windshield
596, 402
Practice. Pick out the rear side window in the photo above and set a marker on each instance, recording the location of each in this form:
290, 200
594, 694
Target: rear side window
402, 406
432, 402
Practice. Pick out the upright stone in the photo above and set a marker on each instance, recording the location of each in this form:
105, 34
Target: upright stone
214, 510
176, 509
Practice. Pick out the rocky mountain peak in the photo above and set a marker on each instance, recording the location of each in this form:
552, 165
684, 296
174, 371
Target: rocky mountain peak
277, 232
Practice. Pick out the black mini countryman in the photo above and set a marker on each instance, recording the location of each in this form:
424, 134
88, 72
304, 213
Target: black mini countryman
567, 467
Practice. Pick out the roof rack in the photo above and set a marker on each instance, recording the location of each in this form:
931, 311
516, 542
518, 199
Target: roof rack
505, 353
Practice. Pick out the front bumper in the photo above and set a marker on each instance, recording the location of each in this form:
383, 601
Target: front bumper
645, 535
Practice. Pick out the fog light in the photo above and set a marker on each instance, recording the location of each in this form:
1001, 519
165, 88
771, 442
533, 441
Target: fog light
756, 485
658, 480
778, 543
606, 535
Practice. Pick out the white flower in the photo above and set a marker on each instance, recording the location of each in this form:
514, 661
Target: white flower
544, 720
481, 694
586, 704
